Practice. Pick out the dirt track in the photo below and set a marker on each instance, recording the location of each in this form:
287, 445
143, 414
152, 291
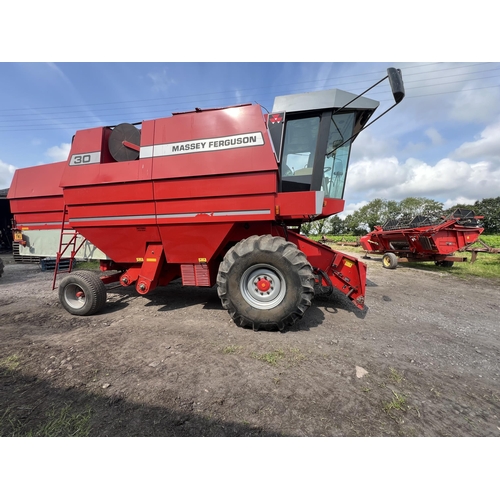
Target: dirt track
422, 360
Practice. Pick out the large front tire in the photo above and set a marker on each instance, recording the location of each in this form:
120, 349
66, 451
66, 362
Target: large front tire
82, 293
265, 282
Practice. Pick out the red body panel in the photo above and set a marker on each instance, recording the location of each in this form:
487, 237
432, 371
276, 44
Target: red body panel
346, 273
36, 199
193, 127
422, 243
202, 182
188, 202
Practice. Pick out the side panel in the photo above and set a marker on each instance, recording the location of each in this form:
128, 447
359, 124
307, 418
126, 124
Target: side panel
347, 274
211, 171
212, 143
193, 243
197, 175
40, 181
111, 203
36, 199
215, 186
45, 243
38, 213
125, 244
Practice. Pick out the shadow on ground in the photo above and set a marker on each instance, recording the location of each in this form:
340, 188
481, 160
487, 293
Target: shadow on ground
33, 407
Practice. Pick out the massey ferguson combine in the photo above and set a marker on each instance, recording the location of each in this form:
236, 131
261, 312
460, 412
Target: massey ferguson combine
214, 197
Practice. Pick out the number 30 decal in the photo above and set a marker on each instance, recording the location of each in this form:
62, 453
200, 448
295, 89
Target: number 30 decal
85, 159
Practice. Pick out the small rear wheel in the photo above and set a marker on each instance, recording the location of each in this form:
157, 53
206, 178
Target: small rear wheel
82, 293
444, 263
389, 261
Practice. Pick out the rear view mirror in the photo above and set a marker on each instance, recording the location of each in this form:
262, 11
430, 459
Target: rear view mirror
396, 82
398, 91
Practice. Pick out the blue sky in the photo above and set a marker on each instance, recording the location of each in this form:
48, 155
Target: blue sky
441, 142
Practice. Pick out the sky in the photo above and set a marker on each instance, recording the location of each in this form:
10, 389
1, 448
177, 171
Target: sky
442, 142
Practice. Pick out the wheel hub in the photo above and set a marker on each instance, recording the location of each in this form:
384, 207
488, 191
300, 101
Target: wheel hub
263, 286
75, 296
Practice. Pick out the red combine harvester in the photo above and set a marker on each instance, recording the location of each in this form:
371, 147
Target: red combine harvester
215, 197
424, 238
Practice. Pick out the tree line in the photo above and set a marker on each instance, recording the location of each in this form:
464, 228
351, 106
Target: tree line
378, 211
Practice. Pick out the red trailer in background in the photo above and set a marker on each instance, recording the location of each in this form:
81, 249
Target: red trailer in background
215, 197
424, 238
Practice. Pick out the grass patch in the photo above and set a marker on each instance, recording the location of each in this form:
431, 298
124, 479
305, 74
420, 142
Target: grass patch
270, 357
345, 238
295, 356
291, 357
395, 376
10, 363
232, 349
62, 422
92, 265
65, 423
493, 240
398, 402
485, 266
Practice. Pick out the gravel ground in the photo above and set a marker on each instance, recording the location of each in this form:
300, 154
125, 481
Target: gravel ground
421, 360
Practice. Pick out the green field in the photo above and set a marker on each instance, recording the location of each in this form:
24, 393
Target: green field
487, 265
493, 240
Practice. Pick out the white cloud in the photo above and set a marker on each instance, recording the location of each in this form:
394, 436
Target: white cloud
434, 136
471, 172
486, 147
372, 176
366, 145
6, 174
161, 80
479, 106
350, 208
444, 104
446, 180
461, 200
59, 153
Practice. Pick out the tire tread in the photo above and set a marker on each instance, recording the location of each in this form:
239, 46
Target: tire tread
290, 253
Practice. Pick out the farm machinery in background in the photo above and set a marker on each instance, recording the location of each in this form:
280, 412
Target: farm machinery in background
425, 238
214, 197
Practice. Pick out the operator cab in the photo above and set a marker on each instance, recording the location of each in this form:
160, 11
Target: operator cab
311, 130
312, 135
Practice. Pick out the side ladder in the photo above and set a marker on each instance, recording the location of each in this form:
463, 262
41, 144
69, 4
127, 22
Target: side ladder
67, 242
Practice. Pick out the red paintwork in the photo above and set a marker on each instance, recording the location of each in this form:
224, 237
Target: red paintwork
36, 199
435, 242
346, 273
183, 210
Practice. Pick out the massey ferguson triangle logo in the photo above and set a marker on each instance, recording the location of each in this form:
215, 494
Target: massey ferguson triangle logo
276, 119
